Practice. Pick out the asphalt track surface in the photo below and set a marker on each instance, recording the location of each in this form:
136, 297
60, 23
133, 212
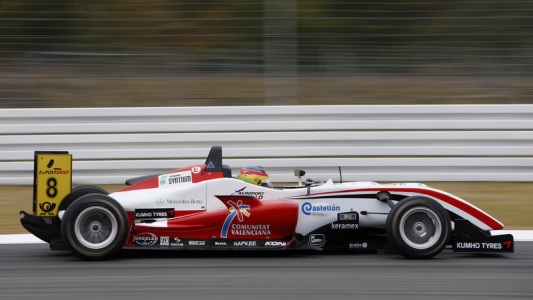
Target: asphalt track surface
32, 271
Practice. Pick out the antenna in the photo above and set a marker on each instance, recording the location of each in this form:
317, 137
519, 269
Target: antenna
340, 173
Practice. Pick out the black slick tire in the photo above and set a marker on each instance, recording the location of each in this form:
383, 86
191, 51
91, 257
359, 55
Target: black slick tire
418, 227
95, 227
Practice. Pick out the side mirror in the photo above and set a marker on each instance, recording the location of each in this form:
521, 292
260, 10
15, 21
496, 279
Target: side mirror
299, 174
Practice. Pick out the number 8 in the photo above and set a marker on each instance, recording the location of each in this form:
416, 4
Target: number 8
51, 187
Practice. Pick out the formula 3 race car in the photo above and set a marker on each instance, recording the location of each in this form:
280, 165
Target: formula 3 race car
204, 207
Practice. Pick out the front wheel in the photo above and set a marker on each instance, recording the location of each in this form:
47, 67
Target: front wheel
418, 227
95, 227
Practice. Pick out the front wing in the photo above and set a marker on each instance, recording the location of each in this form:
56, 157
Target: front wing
469, 238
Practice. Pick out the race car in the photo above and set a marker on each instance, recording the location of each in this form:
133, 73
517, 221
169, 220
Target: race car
202, 207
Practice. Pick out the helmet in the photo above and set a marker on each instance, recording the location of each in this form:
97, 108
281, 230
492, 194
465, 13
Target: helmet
255, 175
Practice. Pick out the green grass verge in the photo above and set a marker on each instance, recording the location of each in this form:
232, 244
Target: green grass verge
509, 202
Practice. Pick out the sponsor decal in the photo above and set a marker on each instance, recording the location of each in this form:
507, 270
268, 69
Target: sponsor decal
56, 171
317, 240
184, 201
176, 242
242, 192
357, 245
481, 246
197, 243
245, 243
47, 208
344, 226
196, 170
145, 239
351, 216
275, 244
153, 213
238, 210
346, 221
173, 202
216, 243
250, 229
175, 178
318, 209
164, 241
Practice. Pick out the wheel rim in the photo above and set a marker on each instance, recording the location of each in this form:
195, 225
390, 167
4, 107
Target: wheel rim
96, 227
420, 227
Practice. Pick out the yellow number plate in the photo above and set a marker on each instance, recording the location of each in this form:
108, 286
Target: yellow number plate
52, 181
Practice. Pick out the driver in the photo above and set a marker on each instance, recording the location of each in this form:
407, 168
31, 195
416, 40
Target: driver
255, 175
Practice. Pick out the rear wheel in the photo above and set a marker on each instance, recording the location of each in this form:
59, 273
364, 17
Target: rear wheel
95, 227
418, 227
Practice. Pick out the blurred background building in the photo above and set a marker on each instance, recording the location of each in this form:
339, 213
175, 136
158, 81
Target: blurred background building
73, 53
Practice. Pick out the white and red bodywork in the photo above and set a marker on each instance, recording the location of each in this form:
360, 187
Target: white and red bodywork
195, 207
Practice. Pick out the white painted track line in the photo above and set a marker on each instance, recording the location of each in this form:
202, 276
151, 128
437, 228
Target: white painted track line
519, 235
19, 239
